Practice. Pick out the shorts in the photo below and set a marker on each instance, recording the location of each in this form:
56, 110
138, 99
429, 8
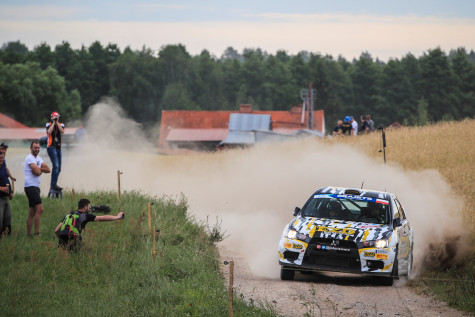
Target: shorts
33, 194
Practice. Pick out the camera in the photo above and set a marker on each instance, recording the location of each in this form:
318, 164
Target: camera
380, 127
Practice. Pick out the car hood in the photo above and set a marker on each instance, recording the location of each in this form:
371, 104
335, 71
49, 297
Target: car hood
342, 230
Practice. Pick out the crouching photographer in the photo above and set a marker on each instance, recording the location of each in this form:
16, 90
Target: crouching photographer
69, 229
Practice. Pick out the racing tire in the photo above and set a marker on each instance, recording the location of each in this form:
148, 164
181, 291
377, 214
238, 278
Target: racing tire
286, 274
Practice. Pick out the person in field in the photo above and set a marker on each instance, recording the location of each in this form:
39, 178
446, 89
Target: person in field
70, 228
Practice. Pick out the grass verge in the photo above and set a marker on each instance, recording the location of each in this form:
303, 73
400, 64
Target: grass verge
114, 274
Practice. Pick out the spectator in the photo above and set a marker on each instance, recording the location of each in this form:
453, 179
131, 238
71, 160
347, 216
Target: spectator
34, 167
338, 130
69, 229
370, 123
354, 126
346, 126
364, 125
4, 148
55, 129
5, 195
80, 133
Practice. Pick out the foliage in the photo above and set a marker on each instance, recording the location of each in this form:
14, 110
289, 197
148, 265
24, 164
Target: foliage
431, 88
114, 274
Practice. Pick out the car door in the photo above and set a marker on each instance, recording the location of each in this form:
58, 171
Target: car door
404, 234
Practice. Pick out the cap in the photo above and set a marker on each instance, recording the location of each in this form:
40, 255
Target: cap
55, 114
347, 118
3, 145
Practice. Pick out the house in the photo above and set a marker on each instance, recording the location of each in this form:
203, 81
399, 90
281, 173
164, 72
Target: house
209, 130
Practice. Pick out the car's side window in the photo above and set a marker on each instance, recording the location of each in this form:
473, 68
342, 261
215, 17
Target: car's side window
400, 210
396, 210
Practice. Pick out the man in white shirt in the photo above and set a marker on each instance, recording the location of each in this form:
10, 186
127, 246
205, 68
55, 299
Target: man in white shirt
34, 167
354, 126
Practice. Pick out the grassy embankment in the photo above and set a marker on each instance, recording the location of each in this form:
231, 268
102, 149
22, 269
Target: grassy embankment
114, 274
448, 147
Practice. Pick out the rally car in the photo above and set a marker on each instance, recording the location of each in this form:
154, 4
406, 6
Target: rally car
348, 230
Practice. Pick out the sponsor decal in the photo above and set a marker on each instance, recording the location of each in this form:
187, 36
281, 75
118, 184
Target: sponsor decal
352, 197
324, 247
297, 246
287, 245
370, 254
319, 246
382, 256
381, 251
337, 248
346, 231
368, 226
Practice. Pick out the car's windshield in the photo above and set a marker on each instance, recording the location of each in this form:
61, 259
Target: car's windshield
347, 207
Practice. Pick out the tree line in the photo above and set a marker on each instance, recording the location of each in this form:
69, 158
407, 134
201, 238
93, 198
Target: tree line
412, 91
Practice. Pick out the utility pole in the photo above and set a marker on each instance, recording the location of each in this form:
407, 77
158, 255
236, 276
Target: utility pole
308, 96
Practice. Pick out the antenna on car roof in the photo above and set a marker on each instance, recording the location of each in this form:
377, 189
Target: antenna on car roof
362, 183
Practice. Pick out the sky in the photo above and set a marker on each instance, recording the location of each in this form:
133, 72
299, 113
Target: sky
384, 29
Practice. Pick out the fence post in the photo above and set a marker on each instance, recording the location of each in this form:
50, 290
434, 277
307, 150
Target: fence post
154, 252
150, 217
231, 280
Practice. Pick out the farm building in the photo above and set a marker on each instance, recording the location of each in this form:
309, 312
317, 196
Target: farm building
211, 130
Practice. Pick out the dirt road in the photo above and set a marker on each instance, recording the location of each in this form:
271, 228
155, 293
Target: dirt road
331, 294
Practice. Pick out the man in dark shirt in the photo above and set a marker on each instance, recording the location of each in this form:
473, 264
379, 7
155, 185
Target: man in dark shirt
5, 195
69, 229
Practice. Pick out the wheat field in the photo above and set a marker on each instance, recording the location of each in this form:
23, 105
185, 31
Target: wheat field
448, 147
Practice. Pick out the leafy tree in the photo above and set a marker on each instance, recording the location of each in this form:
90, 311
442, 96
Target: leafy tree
365, 77
43, 55
31, 94
464, 72
136, 83
13, 52
439, 86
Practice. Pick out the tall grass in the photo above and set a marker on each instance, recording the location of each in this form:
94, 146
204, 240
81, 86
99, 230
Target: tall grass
114, 273
448, 147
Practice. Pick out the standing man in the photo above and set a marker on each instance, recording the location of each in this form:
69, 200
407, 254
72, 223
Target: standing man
354, 126
5, 195
34, 167
370, 123
55, 129
4, 148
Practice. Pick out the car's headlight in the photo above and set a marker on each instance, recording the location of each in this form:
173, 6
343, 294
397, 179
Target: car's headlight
291, 234
383, 243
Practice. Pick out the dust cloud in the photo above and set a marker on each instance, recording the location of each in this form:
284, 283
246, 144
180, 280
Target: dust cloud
253, 191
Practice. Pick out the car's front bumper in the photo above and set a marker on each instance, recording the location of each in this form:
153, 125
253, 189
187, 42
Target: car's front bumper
335, 255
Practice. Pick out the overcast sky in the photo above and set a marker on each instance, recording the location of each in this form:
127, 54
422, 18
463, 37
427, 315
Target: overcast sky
386, 29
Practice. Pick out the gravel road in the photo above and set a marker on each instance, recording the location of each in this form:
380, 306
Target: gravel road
331, 294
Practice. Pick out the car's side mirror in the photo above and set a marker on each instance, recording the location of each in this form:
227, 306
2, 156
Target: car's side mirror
296, 211
397, 222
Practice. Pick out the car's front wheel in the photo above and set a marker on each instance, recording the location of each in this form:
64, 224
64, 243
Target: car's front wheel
286, 274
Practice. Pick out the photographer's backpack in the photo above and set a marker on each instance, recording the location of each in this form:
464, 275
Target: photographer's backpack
70, 228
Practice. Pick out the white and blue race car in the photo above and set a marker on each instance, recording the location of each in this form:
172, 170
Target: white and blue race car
348, 230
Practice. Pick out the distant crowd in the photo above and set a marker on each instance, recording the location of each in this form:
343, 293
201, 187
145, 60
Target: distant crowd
349, 126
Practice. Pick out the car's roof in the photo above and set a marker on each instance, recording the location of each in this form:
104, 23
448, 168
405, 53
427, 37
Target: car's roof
354, 191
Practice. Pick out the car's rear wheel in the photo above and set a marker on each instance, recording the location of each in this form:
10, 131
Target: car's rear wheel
286, 274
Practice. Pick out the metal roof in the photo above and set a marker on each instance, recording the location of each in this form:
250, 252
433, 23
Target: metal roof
249, 122
193, 135
240, 137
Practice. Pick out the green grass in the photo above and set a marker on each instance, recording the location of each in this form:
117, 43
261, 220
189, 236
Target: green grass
114, 273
